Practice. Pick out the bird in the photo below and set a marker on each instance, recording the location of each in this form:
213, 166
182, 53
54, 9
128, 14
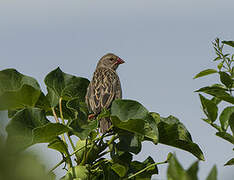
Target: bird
104, 88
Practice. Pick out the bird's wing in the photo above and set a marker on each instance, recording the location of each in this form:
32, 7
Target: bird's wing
104, 88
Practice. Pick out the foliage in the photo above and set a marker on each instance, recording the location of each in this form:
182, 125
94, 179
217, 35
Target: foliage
31, 113
175, 171
220, 92
21, 166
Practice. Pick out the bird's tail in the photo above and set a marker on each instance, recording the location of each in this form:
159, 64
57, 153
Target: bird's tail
105, 124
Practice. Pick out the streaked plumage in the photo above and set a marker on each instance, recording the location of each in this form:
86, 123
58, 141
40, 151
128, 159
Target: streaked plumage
104, 87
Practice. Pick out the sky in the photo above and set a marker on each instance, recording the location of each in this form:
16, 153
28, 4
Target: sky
163, 42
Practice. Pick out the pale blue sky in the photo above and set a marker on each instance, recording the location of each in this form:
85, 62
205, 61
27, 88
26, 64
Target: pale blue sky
164, 43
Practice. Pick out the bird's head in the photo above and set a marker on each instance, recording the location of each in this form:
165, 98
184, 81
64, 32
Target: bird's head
110, 61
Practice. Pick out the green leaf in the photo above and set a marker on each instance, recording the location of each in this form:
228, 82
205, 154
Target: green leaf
173, 133
20, 128
220, 65
230, 162
209, 108
128, 109
192, 171
12, 80
129, 142
131, 116
83, 130
132, 125
81, 126
107, 173
216, 100
230, 43
205, 73
217, 58
225, 79
218, 92
228, 137
119, 169
151, 130
136, 166
59, 145
231, 123
80, 145
175, 171
18, 91
213, 174
79, 172
225, 117
27, 96
48, 132
79, 109
232, 70
66, 86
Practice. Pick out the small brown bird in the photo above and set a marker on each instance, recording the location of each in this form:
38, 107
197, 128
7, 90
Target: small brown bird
104, 88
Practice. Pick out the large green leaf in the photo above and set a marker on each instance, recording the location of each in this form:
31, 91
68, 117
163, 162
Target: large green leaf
66, 86
209, 108
18, 91
128, 109
173, 133
12, 80
131, 116
225, 79
129, 142
175, 171
213, 174
27, 96
231, 123
193, 170
205, 73
77, 173
80, 124
48, 132
230, 43
119, 169
83, 130
136, 166
59, 145
218, 92
225, 117
228, 137
20, 128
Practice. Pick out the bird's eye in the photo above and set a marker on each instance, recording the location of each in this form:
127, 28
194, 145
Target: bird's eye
111, 59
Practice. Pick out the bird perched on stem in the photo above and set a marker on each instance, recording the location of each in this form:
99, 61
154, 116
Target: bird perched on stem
104, 88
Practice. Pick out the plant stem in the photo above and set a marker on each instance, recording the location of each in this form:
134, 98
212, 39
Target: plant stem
62, 118
63, 122
112, 139
55, 116
57, 165
139, 172
57, 121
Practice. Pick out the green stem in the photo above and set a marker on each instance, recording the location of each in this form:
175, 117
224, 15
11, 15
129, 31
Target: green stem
57, 121
85, 153
57, 165
62, 118
139, 172
113, 138
63, 122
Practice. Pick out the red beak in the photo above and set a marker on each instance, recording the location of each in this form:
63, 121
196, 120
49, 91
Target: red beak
120, 61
